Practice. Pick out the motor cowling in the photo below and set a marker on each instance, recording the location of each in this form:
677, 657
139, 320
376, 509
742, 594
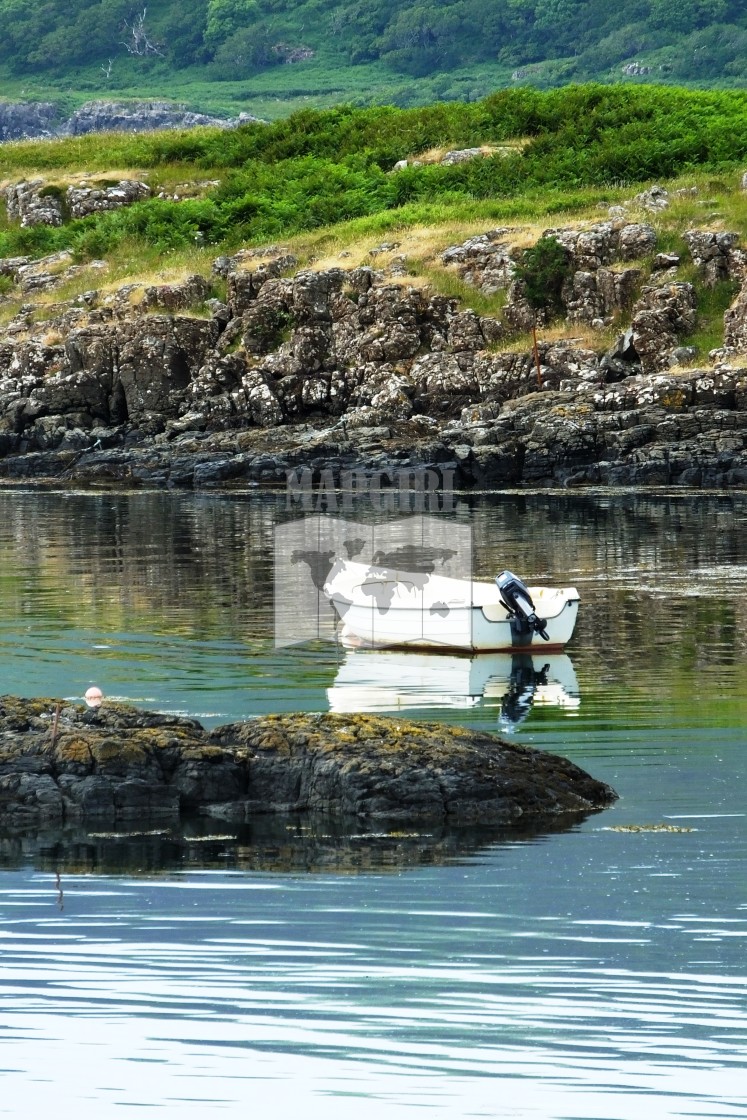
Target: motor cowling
518, 602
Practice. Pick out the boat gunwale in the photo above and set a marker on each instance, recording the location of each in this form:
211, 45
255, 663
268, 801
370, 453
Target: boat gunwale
482, 594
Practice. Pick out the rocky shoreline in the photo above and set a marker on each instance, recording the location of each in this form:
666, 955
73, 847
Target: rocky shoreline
270, 374
64, 765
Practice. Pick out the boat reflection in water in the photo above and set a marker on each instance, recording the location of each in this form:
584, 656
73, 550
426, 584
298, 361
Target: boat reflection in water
395, 680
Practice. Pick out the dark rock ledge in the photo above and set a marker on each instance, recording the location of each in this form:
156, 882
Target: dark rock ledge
63, 765
339, 370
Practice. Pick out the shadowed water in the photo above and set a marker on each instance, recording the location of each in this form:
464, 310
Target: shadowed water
595, 972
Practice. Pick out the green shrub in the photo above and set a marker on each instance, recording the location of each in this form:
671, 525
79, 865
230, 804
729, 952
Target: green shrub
712, 303
317, 168
543, 269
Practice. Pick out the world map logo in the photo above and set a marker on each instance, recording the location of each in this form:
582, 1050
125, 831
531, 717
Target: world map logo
312, 553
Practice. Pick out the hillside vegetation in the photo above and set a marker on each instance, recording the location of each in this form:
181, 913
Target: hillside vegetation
553, 151
393, 273
267, 55
322, 182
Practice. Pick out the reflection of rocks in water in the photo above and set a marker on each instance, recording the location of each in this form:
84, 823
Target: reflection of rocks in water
286, 844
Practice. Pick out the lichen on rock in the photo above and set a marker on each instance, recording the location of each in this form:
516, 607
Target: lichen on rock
66, 765
166, 385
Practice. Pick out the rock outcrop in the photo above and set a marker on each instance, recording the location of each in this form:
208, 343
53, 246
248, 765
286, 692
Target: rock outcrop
272, 369
661, 317
485, 261
133, 116
735, 324
652, 199
33, 202
20, 120
118, 765
717, 255
24, 120
598, 286
93, 198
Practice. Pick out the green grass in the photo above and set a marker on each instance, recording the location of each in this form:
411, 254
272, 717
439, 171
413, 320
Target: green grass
712, 303
320, 83
448, 283
321, 183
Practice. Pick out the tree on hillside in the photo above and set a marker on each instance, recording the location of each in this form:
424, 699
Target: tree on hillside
137, 38
421, 39
682, 40
245, 52
226, 17
36, 37
686, 15
185, 36
543, 270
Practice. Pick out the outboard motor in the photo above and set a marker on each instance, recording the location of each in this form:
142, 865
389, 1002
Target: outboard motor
518, 602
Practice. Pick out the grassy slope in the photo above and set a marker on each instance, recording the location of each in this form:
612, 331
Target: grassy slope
326, 80
320, 83
289, 181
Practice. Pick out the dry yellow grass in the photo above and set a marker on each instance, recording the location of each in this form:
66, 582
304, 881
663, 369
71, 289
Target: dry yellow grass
146, 279
507, 147
249, 264
421, 244
578, 335
131, 269
8, 310
76, 178
52, 338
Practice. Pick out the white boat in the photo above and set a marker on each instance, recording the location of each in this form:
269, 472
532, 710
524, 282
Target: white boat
384, 607
371, 680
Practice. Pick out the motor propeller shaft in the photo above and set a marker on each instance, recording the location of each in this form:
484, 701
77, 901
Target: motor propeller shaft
518, 602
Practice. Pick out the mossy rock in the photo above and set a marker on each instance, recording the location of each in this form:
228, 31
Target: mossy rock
118, 760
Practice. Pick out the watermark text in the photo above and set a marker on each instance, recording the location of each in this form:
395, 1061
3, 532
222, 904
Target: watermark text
395, 490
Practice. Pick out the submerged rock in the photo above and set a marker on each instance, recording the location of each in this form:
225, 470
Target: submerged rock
117, 764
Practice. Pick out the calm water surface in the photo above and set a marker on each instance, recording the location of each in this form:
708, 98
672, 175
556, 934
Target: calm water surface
594, 973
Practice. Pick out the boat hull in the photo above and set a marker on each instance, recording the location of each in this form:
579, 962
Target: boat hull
468, 630
385, 609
